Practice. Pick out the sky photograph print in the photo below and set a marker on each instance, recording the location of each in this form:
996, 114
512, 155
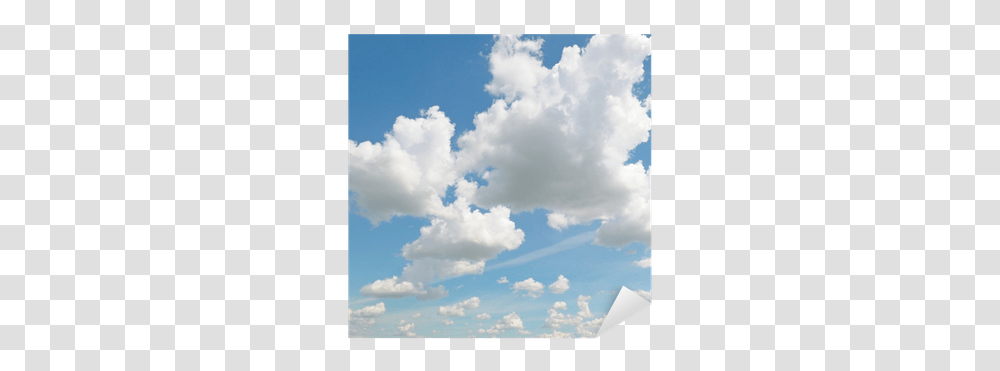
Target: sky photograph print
499, 185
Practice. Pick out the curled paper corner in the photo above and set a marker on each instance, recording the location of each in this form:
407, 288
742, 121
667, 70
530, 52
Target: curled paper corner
626, 304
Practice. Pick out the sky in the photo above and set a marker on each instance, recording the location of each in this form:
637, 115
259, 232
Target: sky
499, 185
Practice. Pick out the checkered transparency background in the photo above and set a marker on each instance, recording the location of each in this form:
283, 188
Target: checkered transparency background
826, 188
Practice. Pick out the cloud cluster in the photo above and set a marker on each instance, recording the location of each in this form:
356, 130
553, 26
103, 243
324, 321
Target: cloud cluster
405, 329
408, 172
365, 317
502, 279
509, 322
556, 334
556, 139
395, 288
458, 309
560, 286
644, 263
459, 241
483, 316
584, 327
530, 286
560, 137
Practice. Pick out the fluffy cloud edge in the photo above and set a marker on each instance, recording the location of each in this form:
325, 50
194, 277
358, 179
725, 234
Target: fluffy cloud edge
396, 288
560, 286
644, 263
531, 287
458, 309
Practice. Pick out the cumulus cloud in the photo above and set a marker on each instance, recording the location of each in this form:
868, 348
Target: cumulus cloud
483, 316
560, 286
590, 328
559, 221
644, 263
584, 327
458, 309
396, 288
405, 329
362, 318
370, 311
532, 287
509, 322
447, 322
459, 241
559, 138
502, 279
417, 315
556, 139
556, 334
408, 172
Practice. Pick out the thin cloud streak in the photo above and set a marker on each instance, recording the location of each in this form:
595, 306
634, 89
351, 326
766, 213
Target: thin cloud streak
564, 245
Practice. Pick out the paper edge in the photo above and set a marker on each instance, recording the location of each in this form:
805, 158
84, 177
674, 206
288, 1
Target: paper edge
619, 302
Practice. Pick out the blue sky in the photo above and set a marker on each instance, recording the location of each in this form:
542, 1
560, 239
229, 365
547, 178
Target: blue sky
400, 75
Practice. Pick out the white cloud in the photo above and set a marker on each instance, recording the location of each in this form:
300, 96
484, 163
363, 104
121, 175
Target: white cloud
396, 288
557, 139
459, 241
560, 137
408, 172
458, 309
509, 322
533, 288
590, 328
644, 263
559, 221
370, 311
363, 318
483, 316
405, 329
516, 66
557, 318
502, 279
556, 334
645, 294
560, 286
448, 322
391, 288
583, 303
632, 225
417, 315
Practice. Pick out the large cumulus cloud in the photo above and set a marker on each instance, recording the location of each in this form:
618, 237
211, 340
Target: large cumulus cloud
555, 139
408, 172
560, 137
